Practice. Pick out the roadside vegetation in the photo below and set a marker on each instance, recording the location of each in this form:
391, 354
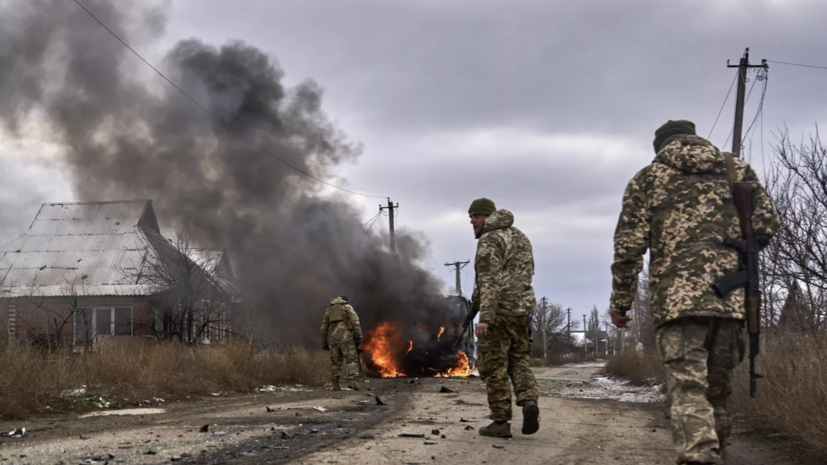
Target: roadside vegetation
36, 381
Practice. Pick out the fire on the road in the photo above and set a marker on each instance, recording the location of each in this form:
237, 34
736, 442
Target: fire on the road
387, 351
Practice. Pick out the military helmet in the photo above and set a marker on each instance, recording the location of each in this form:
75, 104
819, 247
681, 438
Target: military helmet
343, 297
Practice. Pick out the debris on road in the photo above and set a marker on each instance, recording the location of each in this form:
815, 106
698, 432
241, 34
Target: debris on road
220, 433
445, 390
435, 432
469, 428
17, 433
411, 435
497, 446
205, 429
286, 435
365, 436
379, 401
271, 409
463, 420
429, 443
320, 409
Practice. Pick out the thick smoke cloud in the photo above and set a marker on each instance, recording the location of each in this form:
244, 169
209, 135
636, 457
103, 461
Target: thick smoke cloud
127, 134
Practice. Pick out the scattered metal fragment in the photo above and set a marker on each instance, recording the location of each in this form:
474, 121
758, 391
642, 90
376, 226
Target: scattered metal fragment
497, 446
220, 433
17, 433
435, 432
365, 436
379, 401
84, 437
411, 435
205, 429
443, 389
429, 443
271, 410
469, 428
286, 435
463, 420
320, 409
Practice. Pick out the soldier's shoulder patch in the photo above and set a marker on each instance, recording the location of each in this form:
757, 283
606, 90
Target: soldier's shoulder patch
483, 262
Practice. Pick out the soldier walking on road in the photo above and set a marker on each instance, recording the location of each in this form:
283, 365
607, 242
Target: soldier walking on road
341, 335
505, 298
680, 208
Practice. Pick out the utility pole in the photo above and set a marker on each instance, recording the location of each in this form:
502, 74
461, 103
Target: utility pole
585, 338
458, 267
390, 208
544, 330
568, 325
742, 66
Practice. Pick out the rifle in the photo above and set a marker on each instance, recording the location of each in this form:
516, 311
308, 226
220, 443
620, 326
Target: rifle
747, 276
359, 359
469, 319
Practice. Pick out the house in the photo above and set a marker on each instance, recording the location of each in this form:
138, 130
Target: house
90, 271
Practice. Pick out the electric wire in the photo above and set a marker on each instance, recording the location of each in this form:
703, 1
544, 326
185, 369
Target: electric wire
726, 99
221, 120
796, 64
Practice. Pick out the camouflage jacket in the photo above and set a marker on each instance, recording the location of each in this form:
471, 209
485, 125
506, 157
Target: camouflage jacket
505, 267
680, 208
340, 324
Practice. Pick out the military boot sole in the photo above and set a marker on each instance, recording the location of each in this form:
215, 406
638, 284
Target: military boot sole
531, 418
490, 432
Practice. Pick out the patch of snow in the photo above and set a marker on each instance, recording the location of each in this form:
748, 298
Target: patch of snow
604, 388
74, 392
129, 411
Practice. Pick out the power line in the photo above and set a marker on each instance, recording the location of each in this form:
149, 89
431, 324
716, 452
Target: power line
723, 105
796, 64
220, 119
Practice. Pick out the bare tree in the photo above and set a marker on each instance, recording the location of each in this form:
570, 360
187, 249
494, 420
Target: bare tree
549, 326
796, 261
191, 300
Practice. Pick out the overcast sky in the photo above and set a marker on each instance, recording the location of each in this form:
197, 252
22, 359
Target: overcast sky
548, 108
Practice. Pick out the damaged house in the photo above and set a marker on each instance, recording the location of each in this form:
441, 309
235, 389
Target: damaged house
88, 273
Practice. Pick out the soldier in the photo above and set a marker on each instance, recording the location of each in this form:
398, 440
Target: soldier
342, 334
505, 298
680, 208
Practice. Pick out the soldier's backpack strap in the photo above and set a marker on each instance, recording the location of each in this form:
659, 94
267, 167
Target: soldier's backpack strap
730, 169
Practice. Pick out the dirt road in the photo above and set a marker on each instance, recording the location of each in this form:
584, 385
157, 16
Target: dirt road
585, 418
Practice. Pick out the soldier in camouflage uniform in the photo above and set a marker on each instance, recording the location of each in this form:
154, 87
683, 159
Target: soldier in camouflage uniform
504, 296
342, 333
681, 209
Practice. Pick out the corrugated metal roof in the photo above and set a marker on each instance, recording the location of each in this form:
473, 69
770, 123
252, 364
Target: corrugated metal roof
96, 247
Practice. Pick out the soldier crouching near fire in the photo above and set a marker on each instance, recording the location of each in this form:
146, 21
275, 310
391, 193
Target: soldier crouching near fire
505, 298
681, 208
341, 335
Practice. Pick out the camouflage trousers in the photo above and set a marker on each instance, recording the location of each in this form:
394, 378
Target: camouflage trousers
699, 355
505, 353
344, 360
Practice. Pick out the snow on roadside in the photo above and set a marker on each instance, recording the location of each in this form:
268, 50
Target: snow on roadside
605, 388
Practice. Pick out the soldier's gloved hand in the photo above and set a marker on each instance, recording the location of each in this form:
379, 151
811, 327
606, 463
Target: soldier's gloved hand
325, 347
620, 320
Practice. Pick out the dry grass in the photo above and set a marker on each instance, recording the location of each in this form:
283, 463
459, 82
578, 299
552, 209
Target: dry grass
642, 367
793, 395
557, 360
31, 380
791, 398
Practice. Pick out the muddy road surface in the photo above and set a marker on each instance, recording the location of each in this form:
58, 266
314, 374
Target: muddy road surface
586, 418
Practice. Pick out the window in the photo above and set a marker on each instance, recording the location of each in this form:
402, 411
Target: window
115, 321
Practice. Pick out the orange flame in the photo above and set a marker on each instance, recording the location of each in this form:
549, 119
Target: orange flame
441, 330
410, 347
462, 370
381, 344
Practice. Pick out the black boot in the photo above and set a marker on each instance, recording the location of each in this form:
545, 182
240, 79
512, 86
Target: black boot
531, 417
497, 429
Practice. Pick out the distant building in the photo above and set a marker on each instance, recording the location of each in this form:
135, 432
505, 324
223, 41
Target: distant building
84, 273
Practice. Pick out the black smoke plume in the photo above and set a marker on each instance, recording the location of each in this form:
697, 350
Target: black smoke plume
125, 133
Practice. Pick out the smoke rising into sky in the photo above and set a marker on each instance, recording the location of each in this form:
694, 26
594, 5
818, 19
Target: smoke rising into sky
124, 134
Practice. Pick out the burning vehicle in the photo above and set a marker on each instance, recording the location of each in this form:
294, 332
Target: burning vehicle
437, 346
